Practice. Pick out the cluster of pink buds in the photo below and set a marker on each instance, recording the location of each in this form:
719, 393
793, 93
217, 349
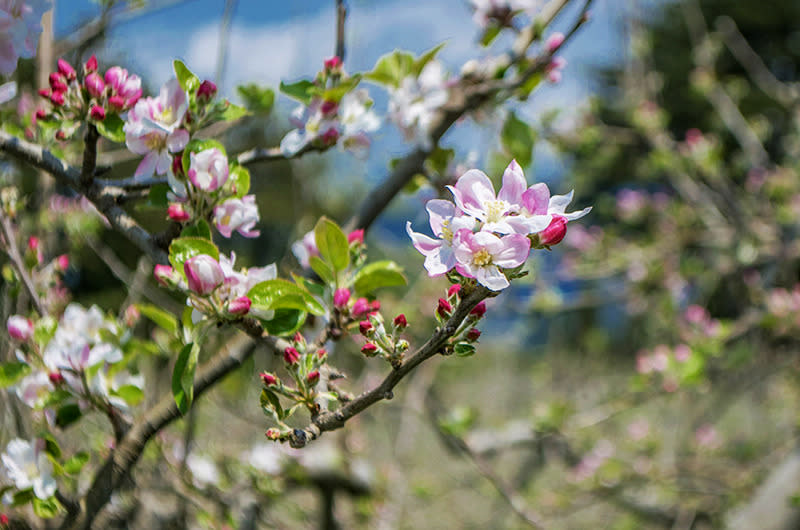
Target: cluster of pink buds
90, 97
382, 339
467, 334
668, 363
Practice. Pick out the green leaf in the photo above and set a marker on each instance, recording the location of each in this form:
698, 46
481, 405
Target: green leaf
257, 100
283, 294
51, 445
46, 508
301, 91
188, 81
336, 93
184, 248
378, 274
159, 317
233, 112
332, 244
271, 402
74, 465
131, 394
285, 322
518, 138
12, 372
322, 269
183, 376
238, 181
464, 349
23, 497
199, 229
439, 160
67, 414
425, 58
157, 197
392, 68
195, 146
490, 34
111, 128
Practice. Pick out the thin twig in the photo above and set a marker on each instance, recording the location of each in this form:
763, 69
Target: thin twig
224, 39
341, 16
10, 244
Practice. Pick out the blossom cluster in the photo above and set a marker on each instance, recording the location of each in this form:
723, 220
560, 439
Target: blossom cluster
27, 466
20, 26
330, 118
90, 96
482, 233
215, 287
413, 104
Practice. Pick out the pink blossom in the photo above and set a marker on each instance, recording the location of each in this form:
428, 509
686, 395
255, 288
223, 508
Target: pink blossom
94, 84
206, 91
164, 274
707, 436
20, 328
203, 273
208, 170
333, 63
239, 306
66, 69
340, 297
482, 255
400, 321
153, 125
360, 307
20, 26
479, 310
554, 42
553, 70
91, 65
305, 249
240, 215
445, 220
682, 353
177, 212
291, 355
97, 113
554, 232
126, 88
356, 236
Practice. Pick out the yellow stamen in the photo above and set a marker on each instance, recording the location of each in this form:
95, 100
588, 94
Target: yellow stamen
495, 210
482, 258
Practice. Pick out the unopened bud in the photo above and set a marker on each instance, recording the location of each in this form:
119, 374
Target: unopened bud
20, 328
56, 378
57, 82
57, 98
66, 69
203, 274
360, 307
374, 306
44, 92
400, 321
94, 84
206, 91
322, 353
366, 328
273, 434
178, 213
313, 377
33, 243
330, 137
453, 290
61, 135
268, 379
62, 262
40, 114
91, 65
554, 232
299, 339
97, 113
554, 42
473, 334
444, 309
479, 310
356, 236
164, 275
132, 315
3, 519
117, 103
369, 349
239, 306
177, 165
340, 297
291, 356
333, 63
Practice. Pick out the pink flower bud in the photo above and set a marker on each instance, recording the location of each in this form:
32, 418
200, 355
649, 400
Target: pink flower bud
3, 519
206, 91
444, 309
453, 290
369, 349
554, 42
328, 107
20, 328
479, 310
57, 98
374, 307
56, 378
322, 353
97, 113
177, 213
66, 69
330, 137
57, 82
44, 92
91, 65
340, 297
400, 321
132, 315
312, 378
33, 243
268, 379
62, 262
177, 165
61, 135
117, 103
473, 334
366, 328
273, 434
164, 275
360, 308
299, 339
333, 63
239, 306
357, 236
291, 355
203, 273
554, 232
40, 114
94, 84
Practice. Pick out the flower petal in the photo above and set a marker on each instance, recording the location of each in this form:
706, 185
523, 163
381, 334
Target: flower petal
491, 278
514, 252
514, 184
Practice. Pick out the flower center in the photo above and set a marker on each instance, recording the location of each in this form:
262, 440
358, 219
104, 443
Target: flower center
166, 115
495, 210
482, 258
447, 234
155, 142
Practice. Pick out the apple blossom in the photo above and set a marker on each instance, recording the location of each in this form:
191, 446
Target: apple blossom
153, 126
444, 308
360, 307
91, 65
20, 328
206, 91
313, 122
357, 119
239, 306
305, 249
34, 388
554, 232
340, 297
97, 113
414, 104
499, 11
164, 274
8, 91
208, 169
554, 42
27, 466
445, 219
482, 255
473, 334
94, 84
203, 274
553, 70
240, 215
238, 283
356, 236
291, 355
177, 212
20, 26
125, 89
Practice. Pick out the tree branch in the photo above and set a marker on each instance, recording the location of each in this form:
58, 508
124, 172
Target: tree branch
18, 263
